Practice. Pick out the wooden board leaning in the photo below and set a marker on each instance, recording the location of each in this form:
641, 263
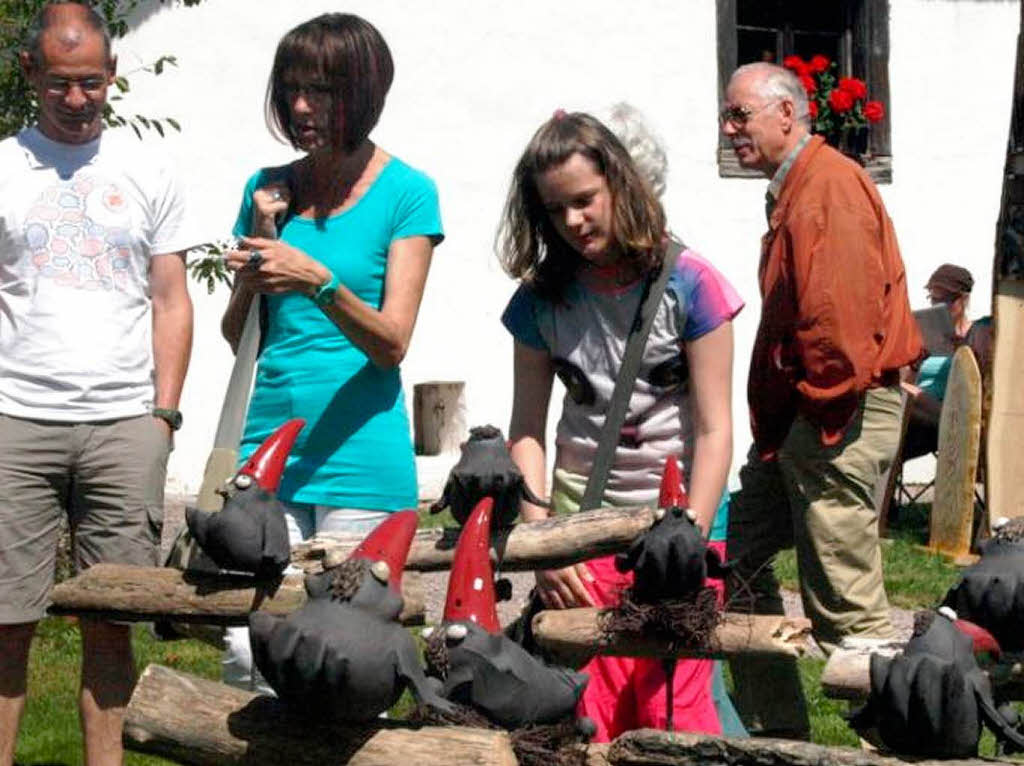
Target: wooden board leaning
957, 466
1005, 433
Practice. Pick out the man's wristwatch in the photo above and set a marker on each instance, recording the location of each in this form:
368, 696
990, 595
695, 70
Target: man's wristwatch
324, 295
173, 417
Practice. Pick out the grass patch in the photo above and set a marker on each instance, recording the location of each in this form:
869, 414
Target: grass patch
49, 728
914, 579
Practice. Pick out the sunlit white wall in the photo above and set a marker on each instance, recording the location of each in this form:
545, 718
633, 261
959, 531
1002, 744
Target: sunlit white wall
474, 78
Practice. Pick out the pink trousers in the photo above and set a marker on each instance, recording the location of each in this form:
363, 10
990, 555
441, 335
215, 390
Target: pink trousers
627, 693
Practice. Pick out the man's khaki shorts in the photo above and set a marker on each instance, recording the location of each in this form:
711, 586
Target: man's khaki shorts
108, 478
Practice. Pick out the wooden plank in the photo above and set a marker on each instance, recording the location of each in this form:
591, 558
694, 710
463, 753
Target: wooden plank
144, 594
725, 13
1005, 433
195, 721
871, 63
572, 636
549, 544
956, 467
1004, 491
647, 747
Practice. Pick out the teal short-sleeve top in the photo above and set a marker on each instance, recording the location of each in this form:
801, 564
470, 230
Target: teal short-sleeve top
356, 449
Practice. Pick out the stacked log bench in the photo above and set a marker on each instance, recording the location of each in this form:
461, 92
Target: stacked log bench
193, 720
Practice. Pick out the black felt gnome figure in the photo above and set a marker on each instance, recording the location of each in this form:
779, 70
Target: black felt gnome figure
485, 469
344, 655
480, 667
991, 592
932, 699
250, 534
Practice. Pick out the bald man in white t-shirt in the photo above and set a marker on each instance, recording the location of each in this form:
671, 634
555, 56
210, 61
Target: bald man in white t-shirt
95, 337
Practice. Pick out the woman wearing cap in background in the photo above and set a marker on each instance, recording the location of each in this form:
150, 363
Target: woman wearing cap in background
949, 285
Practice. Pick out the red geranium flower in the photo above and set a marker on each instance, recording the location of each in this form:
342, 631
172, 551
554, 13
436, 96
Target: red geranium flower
795, 64
808, 82
812, 109
856, 88
874, 111
819, 63
840, 101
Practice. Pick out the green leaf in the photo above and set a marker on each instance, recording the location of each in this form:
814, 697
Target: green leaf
173, 123
159, 127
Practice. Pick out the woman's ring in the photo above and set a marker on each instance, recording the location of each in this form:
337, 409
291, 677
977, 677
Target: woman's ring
255, 259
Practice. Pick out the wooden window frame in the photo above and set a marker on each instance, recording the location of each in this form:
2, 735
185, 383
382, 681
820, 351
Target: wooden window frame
866, 54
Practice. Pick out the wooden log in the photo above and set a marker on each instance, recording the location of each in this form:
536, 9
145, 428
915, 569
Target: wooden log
548, 544
192, 720
846, 674
143, 594
574, 635
647, 747
439, 416
597, 754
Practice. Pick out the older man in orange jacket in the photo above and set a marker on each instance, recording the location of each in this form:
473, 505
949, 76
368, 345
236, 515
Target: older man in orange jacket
824, 396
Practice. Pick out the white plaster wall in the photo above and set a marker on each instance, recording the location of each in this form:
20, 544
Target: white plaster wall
474, 78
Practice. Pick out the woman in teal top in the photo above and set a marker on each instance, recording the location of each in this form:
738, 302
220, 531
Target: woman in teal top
338, 243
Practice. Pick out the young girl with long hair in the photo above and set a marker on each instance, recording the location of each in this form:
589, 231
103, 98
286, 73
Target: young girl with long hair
584, 233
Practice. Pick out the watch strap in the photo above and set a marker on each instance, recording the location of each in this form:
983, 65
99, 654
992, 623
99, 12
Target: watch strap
324, 295
173, 417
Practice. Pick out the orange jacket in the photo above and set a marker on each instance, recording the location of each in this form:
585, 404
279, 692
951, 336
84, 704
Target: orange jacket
835, 317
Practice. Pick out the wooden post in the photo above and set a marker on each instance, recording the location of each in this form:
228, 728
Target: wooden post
846, 674
192, 720
573, 636
548, 544
144, 594
439, 416
645, 747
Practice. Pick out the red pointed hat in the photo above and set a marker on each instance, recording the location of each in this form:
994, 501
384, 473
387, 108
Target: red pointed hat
390, 542
982, 640
672, 494
471, 583
266, 464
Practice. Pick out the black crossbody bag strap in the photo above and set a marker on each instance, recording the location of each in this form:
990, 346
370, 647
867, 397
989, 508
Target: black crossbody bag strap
653, 290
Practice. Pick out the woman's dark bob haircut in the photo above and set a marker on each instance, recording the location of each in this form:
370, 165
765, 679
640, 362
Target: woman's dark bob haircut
344, 57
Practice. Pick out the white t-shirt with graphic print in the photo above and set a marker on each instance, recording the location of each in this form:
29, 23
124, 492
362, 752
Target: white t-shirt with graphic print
78, 226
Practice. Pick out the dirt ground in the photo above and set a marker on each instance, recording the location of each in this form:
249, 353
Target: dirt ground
436, 583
